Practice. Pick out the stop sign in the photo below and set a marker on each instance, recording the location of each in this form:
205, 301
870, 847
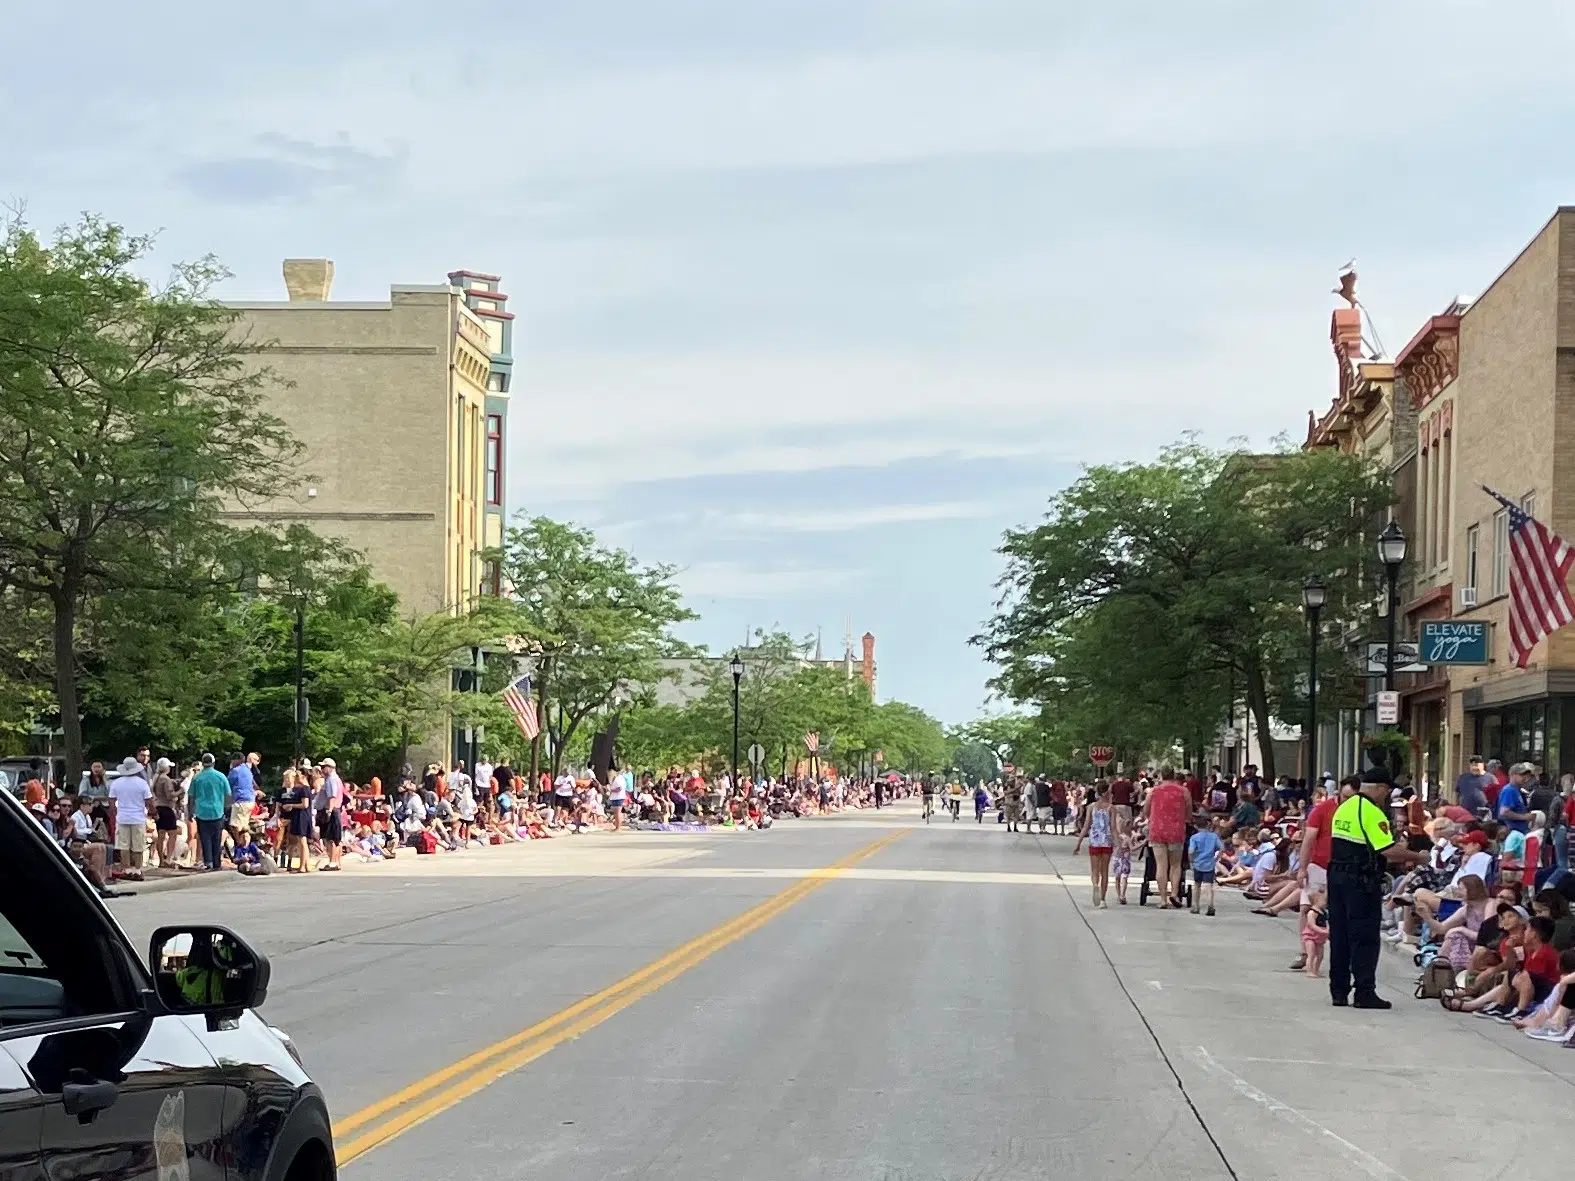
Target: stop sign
1101, 755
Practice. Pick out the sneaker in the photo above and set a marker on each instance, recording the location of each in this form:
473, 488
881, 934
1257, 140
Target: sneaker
1507, 1014
1547, 1034
1193, 909
1371, 1002
1492, 1011
1210, 912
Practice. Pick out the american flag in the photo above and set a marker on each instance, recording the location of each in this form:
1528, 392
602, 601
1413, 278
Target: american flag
1539, 593
523, 706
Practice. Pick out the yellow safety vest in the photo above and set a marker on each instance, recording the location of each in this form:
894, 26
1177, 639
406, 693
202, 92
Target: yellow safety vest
1361, 822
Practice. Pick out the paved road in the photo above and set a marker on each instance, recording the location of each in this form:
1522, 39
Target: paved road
860, 997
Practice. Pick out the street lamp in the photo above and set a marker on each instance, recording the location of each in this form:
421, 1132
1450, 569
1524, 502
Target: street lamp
1313, 595
1391, 549
736, 665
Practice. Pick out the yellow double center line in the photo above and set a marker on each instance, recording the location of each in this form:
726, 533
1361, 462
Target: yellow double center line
364, 1130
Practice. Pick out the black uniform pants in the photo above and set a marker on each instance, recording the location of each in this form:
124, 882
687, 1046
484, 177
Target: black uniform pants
1355, 907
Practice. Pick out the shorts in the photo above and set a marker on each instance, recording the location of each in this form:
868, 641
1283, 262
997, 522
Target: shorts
1058, 812
1317, 879
1541, 989
1172, 848
614, 806
241, 813
330, 826
131, 838
1203, 877
1099, 850
164, 819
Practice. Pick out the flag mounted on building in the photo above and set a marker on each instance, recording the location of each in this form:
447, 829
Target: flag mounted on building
1539, 593
523, 706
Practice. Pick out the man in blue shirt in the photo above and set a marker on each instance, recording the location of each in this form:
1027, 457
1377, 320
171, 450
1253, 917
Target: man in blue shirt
208, 789
243, 793
1513, 811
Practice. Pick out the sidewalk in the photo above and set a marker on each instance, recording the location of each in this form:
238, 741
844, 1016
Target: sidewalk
1393, 1094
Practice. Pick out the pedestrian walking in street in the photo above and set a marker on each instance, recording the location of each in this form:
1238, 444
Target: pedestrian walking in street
1058, 806
1121, 865
328, 800
1166, 811
1361, 846
1012, 792
1099, 831
1204, 848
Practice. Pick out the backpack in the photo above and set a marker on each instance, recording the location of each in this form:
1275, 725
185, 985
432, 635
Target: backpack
1437, 976
426, 842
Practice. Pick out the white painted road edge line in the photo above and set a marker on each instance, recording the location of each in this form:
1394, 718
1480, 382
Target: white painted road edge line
1359, 1157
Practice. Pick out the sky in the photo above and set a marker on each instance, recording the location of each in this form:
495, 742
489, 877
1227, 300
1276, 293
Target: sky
816, 297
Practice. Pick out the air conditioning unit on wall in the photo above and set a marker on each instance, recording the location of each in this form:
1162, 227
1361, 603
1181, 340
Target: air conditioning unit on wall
1468, 596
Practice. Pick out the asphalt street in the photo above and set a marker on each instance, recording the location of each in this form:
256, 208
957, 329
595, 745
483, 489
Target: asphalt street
858, 997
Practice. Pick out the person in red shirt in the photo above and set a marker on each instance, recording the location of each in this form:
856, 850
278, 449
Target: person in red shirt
1166, 811
1194, 787
1121, 802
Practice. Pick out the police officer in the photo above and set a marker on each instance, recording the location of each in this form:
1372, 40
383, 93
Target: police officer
1361, 845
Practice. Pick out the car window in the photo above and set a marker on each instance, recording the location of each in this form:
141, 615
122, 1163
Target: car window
16, 955
59, 956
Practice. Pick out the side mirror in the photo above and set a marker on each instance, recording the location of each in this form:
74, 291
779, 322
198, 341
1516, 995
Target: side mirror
209, 970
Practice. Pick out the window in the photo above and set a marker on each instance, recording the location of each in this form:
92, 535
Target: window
495, 382
1500, 553
1528, 504
495, 459
1473, 540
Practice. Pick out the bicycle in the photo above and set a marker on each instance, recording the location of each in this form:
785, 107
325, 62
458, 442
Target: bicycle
929, 806
955, 803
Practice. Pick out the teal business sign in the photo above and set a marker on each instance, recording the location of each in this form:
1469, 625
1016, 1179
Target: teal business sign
1446, 641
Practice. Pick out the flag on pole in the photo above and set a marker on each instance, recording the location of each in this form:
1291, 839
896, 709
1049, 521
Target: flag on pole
523, 706
1539, 568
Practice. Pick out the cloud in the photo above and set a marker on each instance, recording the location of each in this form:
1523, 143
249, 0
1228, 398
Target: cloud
286, 169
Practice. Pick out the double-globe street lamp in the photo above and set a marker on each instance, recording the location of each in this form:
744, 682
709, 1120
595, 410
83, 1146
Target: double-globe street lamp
736, 666
1313, 595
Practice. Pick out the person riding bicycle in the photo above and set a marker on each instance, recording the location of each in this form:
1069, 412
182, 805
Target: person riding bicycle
954, 798
927, 789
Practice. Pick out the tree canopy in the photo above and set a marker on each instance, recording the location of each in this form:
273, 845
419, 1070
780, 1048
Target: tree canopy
1152, 594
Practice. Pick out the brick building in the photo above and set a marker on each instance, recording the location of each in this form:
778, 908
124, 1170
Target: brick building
1513, 430
397, 405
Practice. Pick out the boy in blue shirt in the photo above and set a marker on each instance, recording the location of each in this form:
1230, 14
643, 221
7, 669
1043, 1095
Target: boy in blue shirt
1204, 850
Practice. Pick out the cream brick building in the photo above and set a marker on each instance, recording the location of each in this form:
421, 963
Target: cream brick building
402, 415
1513, 429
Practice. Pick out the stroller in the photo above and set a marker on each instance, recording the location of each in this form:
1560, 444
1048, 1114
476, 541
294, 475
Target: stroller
1151, 874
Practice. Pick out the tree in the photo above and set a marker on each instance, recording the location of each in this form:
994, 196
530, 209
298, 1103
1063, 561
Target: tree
591, 618
1150, 588
130, 419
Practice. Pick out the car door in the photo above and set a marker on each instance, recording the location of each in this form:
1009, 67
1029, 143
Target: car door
123, 1089
128, 1098
21, 1117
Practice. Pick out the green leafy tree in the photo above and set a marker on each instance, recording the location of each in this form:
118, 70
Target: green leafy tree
1151, 588
592, 619
130, 420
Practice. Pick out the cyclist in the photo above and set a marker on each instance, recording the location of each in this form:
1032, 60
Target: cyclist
928, 790
954, 797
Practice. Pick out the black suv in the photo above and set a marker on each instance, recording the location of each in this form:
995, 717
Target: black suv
109, 1069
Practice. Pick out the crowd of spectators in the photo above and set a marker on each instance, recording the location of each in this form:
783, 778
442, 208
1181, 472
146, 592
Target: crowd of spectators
213, 815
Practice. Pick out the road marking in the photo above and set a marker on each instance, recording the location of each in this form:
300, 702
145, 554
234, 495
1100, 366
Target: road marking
1359, 1157
442, 1089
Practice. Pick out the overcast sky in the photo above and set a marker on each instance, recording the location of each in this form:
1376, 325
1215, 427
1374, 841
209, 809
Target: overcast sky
815, 297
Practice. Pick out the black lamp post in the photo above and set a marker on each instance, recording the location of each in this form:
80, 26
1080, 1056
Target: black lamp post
737, 667
1313, 595
1391, 549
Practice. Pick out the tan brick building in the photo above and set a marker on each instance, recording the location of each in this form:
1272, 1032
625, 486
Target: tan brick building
400, 411
1513, 430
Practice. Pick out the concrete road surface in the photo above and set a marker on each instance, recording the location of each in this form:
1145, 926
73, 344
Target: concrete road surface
862, 997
